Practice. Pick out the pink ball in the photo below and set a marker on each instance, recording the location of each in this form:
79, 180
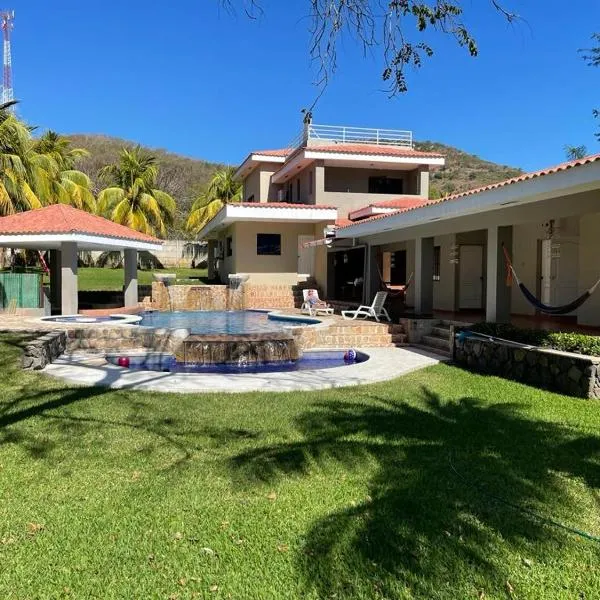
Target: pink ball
123, 361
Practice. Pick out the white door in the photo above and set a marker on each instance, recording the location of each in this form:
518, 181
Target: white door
560, 266
471, 277
306, 256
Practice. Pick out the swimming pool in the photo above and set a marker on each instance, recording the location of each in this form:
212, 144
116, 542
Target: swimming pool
311, 360
222, 322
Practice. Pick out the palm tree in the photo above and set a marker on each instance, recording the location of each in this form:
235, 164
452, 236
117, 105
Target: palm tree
132, 198
69, 186
25, 178
222, 189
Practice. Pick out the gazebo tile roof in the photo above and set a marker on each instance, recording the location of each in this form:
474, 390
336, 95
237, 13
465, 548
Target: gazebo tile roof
62, 218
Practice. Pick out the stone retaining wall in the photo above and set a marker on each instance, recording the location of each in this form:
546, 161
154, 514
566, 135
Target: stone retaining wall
565, 372
43, 350
268, 296
116, 339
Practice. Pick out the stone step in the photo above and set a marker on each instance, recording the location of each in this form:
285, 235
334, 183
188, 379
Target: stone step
396, 328
436, 342
448, 322
441, 332
439, 351
399, 338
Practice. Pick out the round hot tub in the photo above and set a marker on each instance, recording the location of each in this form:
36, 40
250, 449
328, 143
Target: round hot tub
92, 320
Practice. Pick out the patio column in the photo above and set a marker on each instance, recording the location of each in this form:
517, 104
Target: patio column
68, 275
131, 281
210, 259
424, 276
371, 278
498, 294
55, 283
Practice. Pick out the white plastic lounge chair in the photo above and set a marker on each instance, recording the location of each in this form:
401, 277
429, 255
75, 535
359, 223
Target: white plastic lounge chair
318, 307
376, 309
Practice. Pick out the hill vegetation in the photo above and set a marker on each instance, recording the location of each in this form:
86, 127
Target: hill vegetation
181, 177
463, 171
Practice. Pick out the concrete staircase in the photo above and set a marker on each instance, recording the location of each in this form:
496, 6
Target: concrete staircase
440, 339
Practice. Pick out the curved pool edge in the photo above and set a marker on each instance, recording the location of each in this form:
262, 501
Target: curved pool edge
384, 364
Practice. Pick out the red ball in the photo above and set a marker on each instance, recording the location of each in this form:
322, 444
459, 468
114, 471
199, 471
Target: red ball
123, 361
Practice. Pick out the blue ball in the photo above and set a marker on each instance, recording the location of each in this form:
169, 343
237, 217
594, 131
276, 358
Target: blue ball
350, 355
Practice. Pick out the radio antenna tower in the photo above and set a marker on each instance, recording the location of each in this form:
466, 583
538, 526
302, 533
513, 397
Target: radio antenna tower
7, 18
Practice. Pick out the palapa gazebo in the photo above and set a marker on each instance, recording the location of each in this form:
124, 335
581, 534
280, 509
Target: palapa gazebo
65, 231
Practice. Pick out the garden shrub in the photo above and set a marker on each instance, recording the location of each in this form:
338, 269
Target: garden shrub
567, 342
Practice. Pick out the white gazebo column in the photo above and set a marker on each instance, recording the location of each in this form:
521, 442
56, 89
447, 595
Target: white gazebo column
424, 276
497, 299
55, 283
131, 282
68, 276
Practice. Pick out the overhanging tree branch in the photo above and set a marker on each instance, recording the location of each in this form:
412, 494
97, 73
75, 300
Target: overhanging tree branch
397, 27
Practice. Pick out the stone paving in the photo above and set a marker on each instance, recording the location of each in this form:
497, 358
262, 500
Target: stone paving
383, 364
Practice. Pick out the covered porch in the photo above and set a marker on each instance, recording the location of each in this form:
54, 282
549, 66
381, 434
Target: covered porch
65, 231
451, 252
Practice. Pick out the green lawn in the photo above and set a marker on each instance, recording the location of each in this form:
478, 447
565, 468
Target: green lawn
95, 278
438, 485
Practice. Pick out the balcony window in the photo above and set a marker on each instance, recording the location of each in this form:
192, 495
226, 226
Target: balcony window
386, 185
268, 244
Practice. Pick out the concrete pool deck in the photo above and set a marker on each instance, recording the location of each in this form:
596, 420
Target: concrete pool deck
384, 364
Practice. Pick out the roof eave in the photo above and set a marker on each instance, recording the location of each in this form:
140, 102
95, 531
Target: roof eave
232, 213
82, 239
253, 160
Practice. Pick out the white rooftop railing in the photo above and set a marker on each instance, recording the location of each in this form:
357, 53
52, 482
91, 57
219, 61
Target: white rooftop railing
339, 134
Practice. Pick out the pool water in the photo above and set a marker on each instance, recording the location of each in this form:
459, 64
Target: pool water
218, 322
312, 360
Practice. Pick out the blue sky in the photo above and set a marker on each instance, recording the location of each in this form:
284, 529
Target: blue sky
191, 78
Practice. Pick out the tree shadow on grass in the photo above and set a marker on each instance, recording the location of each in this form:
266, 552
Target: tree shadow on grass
65, 427
439, 520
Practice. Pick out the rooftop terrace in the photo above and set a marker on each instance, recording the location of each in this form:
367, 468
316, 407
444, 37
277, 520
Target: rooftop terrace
317, 135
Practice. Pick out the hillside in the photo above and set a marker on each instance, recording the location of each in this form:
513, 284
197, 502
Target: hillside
180, 176
463, 171
184, 177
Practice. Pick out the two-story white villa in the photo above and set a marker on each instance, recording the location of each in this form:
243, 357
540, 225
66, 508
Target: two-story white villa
294, 198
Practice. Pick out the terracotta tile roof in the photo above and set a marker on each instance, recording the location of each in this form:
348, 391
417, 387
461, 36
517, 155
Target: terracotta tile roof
390, 205
61, 218
278, 152
403, 202
282, 205
343, 222
374, 149
520, 178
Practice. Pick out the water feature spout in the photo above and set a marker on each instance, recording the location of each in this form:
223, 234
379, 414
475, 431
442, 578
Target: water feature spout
167, 280
235, 292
